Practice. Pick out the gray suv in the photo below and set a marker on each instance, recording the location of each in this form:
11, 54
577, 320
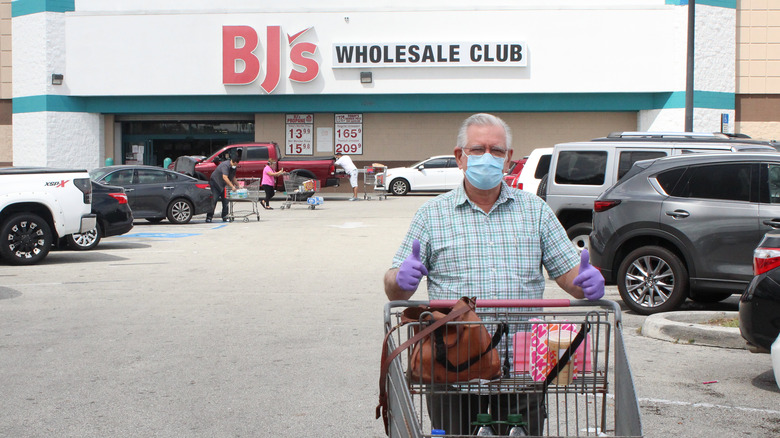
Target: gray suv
685, 227
581, 171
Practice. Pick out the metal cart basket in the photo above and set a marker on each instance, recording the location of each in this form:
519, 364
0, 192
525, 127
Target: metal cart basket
298, 189
370, 180
250, 194
595, 397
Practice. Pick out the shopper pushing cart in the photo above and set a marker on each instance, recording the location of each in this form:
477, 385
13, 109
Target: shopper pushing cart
300, 189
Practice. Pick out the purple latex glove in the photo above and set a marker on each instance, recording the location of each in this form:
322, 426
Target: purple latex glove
589, 279
412, 270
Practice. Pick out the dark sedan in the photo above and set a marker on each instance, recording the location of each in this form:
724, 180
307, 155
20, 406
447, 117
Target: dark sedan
759, 307
114, 217
155, 193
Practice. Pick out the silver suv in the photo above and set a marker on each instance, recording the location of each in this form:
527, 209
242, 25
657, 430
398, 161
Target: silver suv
685, 227
581, 171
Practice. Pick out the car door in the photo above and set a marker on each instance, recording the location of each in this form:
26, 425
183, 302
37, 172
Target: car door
453, 175
713, 210
254, 161
152, 192
769, 207
432, 175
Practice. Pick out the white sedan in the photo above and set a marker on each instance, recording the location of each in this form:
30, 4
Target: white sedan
439, 173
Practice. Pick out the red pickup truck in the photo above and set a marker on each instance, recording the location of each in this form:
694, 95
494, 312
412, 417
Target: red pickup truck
254, 157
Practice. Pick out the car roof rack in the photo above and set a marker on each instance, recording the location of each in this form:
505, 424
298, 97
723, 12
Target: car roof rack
650, 134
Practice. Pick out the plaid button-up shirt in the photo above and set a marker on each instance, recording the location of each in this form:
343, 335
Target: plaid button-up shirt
494, 255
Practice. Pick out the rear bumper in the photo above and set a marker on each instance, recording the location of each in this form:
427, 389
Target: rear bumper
88, 222
332, 182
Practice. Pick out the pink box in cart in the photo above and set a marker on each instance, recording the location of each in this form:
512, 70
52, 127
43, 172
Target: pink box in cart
533, 357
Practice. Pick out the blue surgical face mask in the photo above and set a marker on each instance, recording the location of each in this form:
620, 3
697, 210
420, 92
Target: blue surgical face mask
484, 171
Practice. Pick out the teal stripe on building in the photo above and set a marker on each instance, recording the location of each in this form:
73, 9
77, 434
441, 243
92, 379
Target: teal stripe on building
553, 102
27, 7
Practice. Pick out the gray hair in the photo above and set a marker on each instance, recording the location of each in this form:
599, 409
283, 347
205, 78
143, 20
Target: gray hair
483, 119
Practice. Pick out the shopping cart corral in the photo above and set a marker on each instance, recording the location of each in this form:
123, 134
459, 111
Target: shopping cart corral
566, 356
370, 181
249, 194
300, 189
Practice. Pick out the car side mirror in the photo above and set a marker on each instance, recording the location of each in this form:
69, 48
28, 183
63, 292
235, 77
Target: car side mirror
421, 167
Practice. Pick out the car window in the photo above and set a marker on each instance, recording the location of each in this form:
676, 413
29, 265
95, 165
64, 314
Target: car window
436, 163
668, 179
256, 153
774, 183
120, 177
581, 167
628, 158
543, 168
718, 181
147, 176
452, 163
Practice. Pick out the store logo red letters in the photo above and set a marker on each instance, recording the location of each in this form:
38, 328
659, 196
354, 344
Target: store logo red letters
239, 44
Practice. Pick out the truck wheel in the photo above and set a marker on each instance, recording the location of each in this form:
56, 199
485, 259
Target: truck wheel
541, 191
399, 187
580, 235
26, 239
84, 241
652, 279
180, 211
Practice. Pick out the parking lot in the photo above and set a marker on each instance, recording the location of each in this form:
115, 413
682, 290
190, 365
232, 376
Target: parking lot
274, 328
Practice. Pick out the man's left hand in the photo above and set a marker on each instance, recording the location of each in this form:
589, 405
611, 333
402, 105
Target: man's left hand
589, 279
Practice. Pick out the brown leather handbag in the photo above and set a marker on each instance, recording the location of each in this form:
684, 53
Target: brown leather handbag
449, 345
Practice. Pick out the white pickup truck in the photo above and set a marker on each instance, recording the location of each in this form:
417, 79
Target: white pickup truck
37, 206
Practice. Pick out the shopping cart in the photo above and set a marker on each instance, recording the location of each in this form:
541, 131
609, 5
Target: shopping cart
370, 180
600, 399
250, 193
300, 190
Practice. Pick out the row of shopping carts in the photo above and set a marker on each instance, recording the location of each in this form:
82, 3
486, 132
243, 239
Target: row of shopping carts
372, 176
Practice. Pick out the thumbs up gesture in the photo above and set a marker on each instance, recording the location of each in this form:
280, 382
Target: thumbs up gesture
412, 270
589, 279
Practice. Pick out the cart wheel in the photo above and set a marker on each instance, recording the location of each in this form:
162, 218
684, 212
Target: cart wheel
258, 218
311, 207
246, 219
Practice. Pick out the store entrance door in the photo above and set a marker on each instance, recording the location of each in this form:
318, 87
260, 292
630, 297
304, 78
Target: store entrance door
160, 149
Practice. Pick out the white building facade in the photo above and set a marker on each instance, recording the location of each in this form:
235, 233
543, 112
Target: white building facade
142, 80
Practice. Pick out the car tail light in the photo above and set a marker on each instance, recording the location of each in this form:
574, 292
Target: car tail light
202, 186
85, 185
121, 198
765, 259
519, 185
599, 206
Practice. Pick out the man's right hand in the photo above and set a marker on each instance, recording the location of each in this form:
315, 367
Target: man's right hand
411, 270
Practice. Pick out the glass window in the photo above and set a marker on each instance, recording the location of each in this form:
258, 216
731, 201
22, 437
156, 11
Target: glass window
120, 178
774, 183
256, 153
668, 180
628, 158
452, 163
436, 163
719, 181
581, 167
543, 168
146, 176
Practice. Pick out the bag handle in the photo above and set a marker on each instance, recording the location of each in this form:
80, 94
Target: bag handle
564, 359
381, 409
441, 351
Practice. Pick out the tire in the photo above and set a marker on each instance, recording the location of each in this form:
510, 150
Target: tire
580, 235
541, 191
26, 239
652, 279
399, 187
180, 211
154, 220
84, 241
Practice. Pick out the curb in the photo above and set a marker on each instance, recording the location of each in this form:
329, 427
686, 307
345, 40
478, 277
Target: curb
691, 328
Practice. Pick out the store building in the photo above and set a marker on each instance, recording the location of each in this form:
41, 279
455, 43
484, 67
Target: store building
141, 81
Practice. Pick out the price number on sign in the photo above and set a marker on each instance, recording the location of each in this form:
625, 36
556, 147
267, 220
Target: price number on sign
346, 133
349, 148
299, 140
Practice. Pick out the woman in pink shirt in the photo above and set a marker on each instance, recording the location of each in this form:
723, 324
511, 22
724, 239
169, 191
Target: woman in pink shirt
269, 182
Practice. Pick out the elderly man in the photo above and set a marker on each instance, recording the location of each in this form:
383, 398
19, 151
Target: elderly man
487, 240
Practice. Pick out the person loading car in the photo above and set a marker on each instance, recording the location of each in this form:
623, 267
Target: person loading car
224, 175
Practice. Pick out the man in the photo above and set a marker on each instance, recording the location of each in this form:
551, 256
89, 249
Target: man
486, 240
346, 163
224, 175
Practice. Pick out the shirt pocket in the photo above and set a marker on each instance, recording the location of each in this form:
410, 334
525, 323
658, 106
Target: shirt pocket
524, 258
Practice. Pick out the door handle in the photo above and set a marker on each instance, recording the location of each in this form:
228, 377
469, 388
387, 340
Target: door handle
678, 214
167, 187
128, 190
774, 223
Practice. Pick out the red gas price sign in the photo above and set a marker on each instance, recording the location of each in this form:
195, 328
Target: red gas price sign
349, 134
299, 129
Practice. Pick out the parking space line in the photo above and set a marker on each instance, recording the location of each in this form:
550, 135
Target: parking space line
704, 405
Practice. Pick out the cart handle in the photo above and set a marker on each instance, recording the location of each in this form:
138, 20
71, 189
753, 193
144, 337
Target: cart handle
507, 303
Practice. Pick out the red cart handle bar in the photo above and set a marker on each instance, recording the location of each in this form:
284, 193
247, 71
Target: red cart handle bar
507, 303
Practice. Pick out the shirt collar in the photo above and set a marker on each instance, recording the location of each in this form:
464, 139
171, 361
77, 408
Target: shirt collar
505, 195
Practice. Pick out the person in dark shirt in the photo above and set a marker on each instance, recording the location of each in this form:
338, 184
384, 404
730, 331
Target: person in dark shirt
224, 175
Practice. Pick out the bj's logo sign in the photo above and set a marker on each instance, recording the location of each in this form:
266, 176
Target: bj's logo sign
240, 66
